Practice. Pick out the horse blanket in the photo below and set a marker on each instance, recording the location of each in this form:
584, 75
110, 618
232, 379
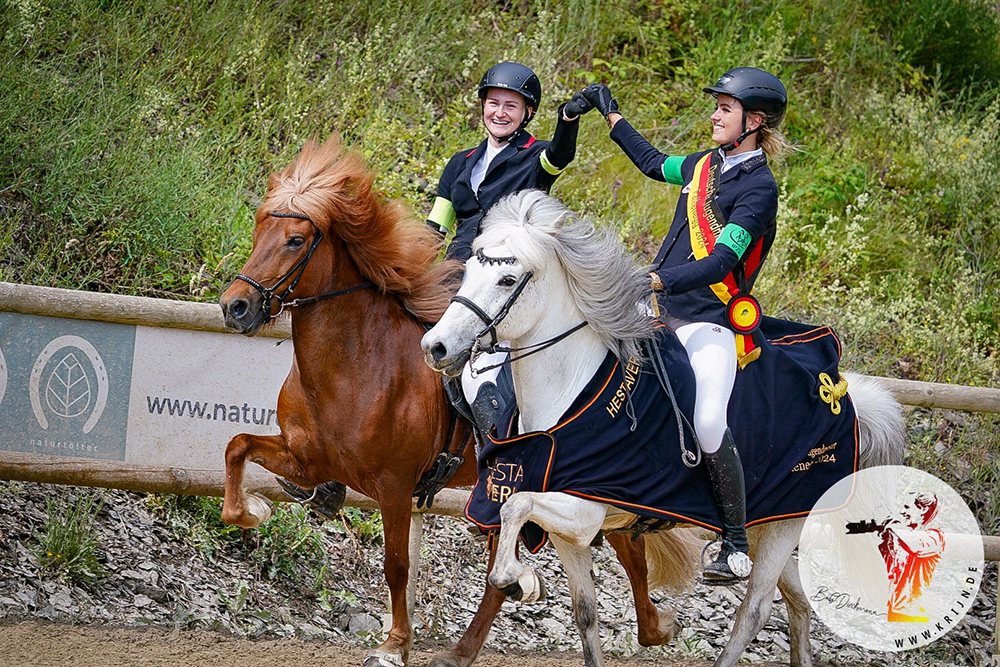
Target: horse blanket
796, 433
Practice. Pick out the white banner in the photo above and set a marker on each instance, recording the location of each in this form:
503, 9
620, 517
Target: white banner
137, 394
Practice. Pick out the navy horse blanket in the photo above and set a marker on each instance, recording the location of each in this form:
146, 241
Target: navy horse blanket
794, 426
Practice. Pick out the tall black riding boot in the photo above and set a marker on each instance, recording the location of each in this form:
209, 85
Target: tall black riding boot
726, 472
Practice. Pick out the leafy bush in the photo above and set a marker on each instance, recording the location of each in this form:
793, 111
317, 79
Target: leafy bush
954, 41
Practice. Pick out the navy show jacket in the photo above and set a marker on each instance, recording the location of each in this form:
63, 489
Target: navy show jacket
524, 163
747, 196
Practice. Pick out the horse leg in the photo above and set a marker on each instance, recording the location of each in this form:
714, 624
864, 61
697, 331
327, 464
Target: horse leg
572, 518
775, 543
579, 565
249, 510
395, 650
654, 630
464, 653
799, 612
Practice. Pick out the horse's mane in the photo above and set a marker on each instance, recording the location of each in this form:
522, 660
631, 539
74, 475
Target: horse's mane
605, 280
333, 186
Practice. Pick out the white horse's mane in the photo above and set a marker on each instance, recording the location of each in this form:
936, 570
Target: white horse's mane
605, 280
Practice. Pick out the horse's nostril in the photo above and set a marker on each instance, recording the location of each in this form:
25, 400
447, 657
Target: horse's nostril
439, 351
238, 308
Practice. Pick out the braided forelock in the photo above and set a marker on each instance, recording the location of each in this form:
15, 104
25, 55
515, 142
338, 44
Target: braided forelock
605, 280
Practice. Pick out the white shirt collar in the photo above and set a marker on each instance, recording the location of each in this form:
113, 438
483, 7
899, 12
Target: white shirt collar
730, 161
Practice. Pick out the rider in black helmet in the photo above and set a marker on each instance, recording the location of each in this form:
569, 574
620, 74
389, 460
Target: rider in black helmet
508, 160
723, 228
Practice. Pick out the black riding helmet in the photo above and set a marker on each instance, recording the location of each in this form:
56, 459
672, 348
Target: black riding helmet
756, 90
516, 77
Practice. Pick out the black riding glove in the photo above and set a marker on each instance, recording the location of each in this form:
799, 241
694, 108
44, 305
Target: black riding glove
577, 106
600, 96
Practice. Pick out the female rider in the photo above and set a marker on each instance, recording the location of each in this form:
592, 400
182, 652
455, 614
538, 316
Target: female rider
722, 230
507, 161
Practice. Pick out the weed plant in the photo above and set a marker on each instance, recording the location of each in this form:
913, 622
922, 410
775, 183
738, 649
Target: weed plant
68, 546
286, 546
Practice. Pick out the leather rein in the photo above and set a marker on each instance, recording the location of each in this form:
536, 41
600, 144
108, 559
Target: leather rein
295, 273
492, 322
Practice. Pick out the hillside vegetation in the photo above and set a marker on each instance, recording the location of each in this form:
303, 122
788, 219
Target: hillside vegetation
136, 140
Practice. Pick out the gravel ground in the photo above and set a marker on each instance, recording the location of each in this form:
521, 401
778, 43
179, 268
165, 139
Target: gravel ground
156, 577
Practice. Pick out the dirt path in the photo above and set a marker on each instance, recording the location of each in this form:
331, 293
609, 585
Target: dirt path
49, 644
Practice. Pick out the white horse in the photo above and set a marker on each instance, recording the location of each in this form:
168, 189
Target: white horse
538, 272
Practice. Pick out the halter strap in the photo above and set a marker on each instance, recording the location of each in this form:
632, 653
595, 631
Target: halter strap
528, 349
297, 270
492, 322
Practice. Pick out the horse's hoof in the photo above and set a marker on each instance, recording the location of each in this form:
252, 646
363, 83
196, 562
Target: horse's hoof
445, 660
672, 629
527, 588
532, 587
327, 499
259, 507
384, 660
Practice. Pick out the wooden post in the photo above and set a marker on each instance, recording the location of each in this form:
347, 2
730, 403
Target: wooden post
120, 309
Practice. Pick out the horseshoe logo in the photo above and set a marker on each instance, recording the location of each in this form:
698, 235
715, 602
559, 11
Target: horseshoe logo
67, 389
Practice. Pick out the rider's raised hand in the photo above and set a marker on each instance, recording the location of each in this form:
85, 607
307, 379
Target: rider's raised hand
577, 106
600, 96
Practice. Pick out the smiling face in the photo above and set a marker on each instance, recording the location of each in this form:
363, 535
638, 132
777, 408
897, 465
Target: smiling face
503, 112
727, 123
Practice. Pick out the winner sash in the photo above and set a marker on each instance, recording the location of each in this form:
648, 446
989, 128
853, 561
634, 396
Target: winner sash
705, 224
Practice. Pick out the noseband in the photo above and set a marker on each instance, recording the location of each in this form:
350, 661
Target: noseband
492, 322
295, 273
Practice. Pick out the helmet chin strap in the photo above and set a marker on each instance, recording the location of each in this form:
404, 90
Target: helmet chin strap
511, 137
746, 133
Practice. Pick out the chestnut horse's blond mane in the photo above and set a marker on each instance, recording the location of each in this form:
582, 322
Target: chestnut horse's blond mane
333, 186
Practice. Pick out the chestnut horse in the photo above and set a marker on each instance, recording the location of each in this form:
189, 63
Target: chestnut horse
359, 405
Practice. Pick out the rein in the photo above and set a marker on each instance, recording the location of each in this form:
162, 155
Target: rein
492, 322
297, 270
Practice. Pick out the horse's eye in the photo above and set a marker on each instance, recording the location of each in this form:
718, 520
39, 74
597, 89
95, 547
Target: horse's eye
508, 281
295, 241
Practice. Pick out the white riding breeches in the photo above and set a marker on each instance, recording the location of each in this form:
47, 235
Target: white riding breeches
712, 351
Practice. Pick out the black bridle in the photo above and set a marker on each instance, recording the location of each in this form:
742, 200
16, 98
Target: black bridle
295, 273
492, 322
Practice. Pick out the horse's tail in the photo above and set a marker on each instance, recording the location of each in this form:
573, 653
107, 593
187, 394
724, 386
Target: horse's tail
882, 436
881, 429
673, 557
